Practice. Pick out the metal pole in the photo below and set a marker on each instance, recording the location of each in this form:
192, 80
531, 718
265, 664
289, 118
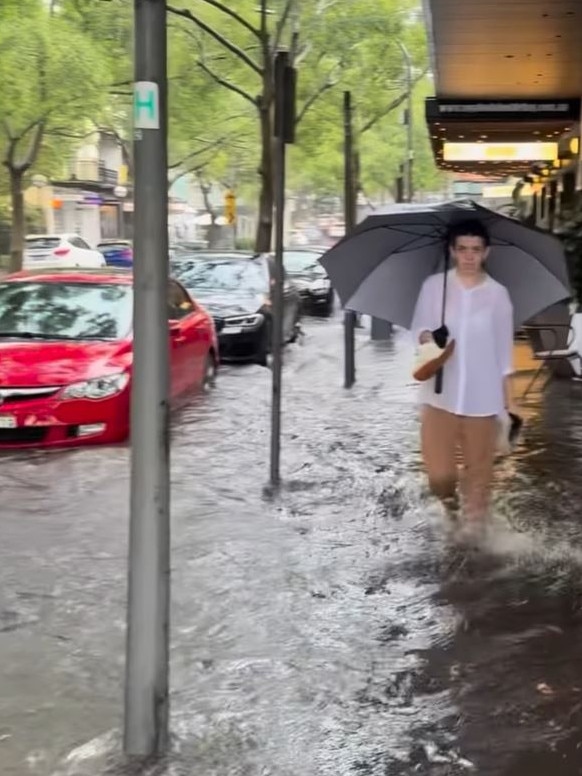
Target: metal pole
281, 64
409, 125
349, 219
146, 689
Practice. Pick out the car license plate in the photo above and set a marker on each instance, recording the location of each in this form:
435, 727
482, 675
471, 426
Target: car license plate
7, 421
231, 330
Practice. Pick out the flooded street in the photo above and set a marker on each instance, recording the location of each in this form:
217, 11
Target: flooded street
329, 632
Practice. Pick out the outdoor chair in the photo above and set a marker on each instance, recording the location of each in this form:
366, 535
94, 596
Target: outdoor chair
558, 347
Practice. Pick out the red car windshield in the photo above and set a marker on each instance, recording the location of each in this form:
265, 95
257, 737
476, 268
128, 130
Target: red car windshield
75, 311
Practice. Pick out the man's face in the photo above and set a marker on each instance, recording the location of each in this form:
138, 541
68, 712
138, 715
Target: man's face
469, 254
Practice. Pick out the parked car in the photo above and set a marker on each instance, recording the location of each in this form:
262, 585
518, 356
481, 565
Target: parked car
188, 246
66, 355
60, 250
118, 253
311, 279
236, 290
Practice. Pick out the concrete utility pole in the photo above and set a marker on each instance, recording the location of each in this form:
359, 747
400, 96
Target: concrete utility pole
146, 690
350, 217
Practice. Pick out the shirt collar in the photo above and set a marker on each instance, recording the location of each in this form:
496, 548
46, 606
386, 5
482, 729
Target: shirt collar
483, 284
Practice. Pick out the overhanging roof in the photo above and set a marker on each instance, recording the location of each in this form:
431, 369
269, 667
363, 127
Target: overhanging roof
506, 48
488, 51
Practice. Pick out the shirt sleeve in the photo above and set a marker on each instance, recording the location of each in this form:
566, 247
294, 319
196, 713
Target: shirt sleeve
422, 318
504, 333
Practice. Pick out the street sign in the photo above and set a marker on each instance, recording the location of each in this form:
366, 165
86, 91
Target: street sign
122, 175
230, 207
146, 105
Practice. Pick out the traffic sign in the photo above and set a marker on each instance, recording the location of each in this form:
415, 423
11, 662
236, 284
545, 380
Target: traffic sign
146, 105
230, 207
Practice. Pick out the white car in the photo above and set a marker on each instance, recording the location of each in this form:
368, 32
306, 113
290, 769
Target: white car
60, 250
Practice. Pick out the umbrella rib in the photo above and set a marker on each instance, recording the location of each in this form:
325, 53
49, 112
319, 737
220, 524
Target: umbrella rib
486, 214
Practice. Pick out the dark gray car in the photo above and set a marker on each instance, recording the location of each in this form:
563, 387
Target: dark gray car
236, 289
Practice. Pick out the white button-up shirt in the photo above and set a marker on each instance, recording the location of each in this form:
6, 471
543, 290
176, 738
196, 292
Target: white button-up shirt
480, 320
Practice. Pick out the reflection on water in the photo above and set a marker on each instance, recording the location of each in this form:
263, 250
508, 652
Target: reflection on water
329, 631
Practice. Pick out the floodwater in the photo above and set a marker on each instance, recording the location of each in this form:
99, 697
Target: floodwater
329, 632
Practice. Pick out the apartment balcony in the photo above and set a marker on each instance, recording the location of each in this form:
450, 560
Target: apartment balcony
92, 171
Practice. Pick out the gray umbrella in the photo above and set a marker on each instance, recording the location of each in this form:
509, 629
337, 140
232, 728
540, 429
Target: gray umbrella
379, 269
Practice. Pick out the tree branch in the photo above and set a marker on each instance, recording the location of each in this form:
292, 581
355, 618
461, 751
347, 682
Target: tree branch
233, 48
280, 28
265, 45
395, 103
324, 5
64, 132
205, 189
190, 171
328, 84
7, 128
234, 15
302, 53
31, 126
310, 101
10, 158
209, 146
33, 150
227, 84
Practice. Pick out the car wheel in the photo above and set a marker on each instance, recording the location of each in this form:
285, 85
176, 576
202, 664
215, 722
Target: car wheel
262, 357
328, 309
296, 328
210, 372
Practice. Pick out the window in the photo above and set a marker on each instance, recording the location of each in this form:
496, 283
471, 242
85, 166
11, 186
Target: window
42, 243
301, 261
221, 274
179, 303
78, 242
73, 311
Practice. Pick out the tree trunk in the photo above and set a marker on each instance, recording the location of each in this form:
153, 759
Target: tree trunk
213, 235
18, 223
266, 173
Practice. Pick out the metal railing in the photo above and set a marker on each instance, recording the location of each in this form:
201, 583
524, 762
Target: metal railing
93, 170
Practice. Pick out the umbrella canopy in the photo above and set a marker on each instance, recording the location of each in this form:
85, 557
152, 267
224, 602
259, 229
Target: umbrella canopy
379, 269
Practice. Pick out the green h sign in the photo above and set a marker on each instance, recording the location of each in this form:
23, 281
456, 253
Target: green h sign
146, 105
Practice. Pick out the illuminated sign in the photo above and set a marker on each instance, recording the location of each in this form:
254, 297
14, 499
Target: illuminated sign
498, 192
500, 152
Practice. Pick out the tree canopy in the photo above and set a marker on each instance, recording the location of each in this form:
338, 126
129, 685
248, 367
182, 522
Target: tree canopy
54, 81
66, 67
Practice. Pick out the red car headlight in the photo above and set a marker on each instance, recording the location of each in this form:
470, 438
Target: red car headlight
97, 388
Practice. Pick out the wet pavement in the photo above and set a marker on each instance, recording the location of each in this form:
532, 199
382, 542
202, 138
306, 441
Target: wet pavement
327, 633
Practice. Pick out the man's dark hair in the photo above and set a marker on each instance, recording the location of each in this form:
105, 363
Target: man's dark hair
468, 228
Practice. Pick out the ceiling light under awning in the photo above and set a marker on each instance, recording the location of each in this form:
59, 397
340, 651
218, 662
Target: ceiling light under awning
500, 152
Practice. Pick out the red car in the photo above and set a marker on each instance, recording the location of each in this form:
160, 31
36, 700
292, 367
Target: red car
66, 355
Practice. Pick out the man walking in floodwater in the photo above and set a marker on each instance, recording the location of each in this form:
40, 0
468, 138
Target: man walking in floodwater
477, 388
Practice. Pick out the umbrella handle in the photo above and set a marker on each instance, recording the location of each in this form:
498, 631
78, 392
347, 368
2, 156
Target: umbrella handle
443, 331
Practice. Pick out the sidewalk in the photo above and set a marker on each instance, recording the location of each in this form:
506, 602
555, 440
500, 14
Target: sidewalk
328, 633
